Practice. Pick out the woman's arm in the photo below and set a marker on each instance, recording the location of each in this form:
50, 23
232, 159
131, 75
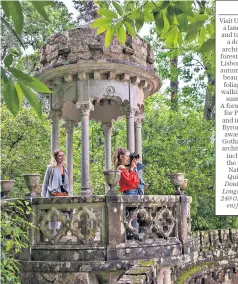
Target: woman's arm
129, 177
46, 181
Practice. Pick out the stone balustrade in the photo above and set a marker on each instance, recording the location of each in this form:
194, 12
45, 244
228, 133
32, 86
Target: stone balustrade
124, 239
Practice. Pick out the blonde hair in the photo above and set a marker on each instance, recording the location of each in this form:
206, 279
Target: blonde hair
53, 161
116, 156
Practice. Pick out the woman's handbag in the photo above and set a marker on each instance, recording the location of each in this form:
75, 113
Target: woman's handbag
59, 194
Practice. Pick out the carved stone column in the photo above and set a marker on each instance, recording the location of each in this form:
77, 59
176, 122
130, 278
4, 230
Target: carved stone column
107, 129
130, 113
167, 276
69, 126
138, 135
54, 116
85, 108
160, 278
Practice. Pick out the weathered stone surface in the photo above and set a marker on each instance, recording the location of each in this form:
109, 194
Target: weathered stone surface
60, 278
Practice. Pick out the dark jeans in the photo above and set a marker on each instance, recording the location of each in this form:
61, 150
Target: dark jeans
131, 192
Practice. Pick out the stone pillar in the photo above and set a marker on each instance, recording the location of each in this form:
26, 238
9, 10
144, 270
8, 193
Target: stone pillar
54, 116
138, 135
107, 129
184, 223
167, 276
69, 126
160, 278
130, 113
85, 108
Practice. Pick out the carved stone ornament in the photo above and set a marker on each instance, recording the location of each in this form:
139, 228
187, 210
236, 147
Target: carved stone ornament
138, 120
85, 225
129, 111
69, 125
110, 90
107, 128
55, 115
164, 222
138, 223
53, 216
85, 108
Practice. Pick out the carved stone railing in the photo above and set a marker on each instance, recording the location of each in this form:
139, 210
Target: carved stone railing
127, 238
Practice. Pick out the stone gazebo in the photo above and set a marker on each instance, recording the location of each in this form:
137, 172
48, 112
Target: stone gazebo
90, 81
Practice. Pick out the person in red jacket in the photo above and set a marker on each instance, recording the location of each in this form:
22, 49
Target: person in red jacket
129, 180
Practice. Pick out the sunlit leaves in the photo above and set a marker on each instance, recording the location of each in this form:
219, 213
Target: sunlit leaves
109, 36
31, 97
39, 6
176, 22
30, 81
8, 60
10, 97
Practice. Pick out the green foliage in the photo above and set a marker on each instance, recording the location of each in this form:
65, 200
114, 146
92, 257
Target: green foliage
14, 237
175, 22
16, 84
25, 143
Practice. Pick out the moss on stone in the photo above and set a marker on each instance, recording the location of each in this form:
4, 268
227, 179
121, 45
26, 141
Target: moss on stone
188, 272
146, 263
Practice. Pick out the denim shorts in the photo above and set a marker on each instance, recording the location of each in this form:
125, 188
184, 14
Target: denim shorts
131, 192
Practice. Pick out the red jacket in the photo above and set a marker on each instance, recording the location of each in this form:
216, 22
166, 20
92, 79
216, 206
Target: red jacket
128, 180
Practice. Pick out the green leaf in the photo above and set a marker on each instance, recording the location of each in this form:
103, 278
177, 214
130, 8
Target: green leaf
130, 29
170, 14
162, 5
100, 22
159, 20
121, 34
101, 29
4, 78
202, 36
12, 31
190, 36
196, 25
185, 6
32, 99
207, 46
15, 10
19, 93
211, 29
117, 7
183, 21
166, 23
171, 35
5, 7
109, 36
107, 13
201, 17
139, 21
8, 60
38, 5
10, 97
30, 81
148, 15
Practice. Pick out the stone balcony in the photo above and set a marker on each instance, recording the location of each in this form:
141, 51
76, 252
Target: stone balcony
123, 239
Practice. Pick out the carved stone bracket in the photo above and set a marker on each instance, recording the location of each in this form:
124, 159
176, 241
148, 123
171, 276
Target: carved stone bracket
55, 115
107, 128
85, 107
129, 111
139, 119
69, 125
